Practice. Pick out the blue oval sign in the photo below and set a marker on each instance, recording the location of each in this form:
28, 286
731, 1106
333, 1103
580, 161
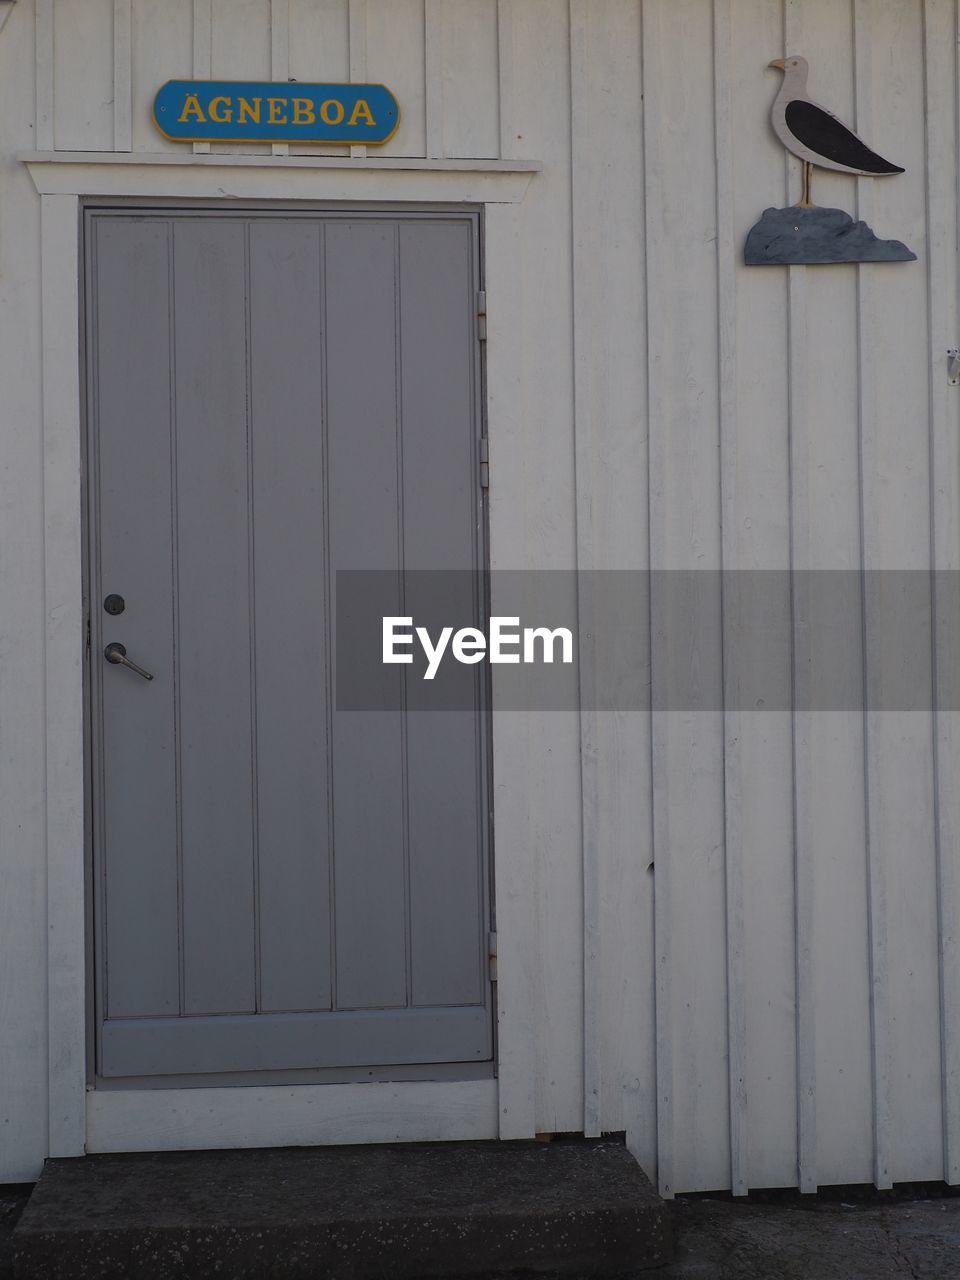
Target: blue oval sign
271, 111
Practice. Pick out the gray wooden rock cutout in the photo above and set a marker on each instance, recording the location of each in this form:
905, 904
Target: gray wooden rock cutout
805, 233
796, 235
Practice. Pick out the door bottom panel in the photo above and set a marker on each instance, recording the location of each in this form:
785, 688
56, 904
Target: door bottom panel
281, 1041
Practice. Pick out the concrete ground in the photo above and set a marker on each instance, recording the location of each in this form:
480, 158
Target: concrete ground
910, 1234
12, 1200
865, 1236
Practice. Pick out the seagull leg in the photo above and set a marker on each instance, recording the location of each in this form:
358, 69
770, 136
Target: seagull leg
806, 201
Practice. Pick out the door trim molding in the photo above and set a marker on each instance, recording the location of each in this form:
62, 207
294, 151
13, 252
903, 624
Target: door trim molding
236, 160
123, 1120
326, 178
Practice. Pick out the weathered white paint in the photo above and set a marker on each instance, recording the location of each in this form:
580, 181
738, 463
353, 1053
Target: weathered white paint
941, 121
63, 776
732, 934
122, 69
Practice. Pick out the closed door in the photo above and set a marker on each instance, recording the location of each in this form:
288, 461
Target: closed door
274, 398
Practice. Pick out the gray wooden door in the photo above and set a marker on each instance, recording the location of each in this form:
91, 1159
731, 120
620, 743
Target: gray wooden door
273, 397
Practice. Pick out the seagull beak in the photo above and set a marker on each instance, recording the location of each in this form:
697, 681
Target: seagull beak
778, 63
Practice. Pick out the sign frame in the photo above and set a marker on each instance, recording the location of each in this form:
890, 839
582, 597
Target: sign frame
318, 95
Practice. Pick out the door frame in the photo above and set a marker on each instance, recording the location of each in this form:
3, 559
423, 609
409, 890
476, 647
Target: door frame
81, 1118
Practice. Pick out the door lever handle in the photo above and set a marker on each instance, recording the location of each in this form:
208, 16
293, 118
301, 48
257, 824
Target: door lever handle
117, 654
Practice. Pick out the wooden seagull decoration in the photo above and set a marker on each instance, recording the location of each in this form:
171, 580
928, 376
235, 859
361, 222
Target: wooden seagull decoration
815, 135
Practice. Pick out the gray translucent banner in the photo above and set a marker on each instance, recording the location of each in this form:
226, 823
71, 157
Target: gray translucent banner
665, 640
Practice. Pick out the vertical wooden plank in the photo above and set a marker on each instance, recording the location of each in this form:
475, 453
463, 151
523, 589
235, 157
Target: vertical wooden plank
214, 634
941, 33
580, 88
293, 807
896, 533
44, 74
514, 881
833, 1027
876, 869
800, 514
505, 78
656, 407
733, 721
23, 935
610, 455
202, 50
83, 57
754, 498
241, 49
320, 41
242, 38
358, 55
280, 53
468, 67
547, 540
137, 843
395, 56
63, 693
122, 72
434, 14
370, 821
803, 886
440, 438
162, 49
319, 50
687, 747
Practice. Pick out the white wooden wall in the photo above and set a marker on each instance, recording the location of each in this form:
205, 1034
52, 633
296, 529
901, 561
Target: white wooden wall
744, 948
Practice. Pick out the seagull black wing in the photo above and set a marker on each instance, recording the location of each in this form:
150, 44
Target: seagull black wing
823, 133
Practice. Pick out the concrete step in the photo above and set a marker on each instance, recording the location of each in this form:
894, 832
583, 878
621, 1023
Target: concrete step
345, 1213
